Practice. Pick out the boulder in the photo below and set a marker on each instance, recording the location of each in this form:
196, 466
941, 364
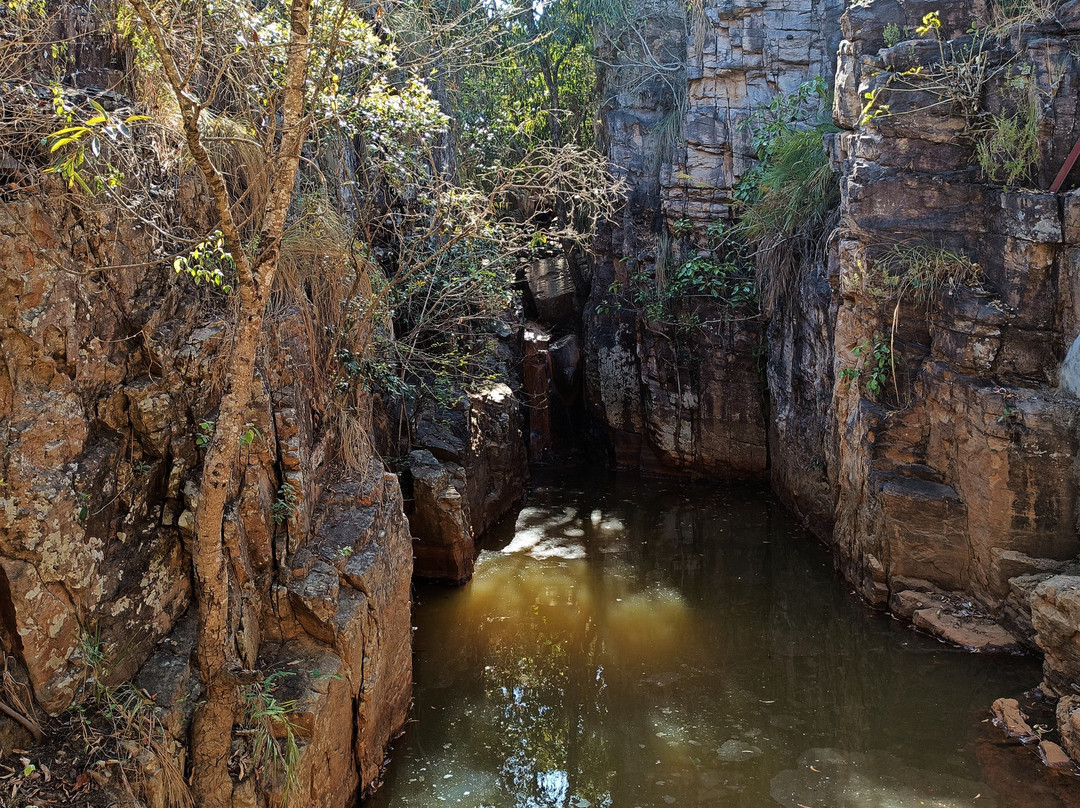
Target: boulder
1055, 616
1012, 721
439, 519
1068, 725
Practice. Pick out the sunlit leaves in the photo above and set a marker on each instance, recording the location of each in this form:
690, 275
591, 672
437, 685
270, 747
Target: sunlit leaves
537, 72
208, 262
70, 145
398, 126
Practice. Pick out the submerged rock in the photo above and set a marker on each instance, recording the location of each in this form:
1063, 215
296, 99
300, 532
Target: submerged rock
1054, 756
734, 750
973, 632
836, 779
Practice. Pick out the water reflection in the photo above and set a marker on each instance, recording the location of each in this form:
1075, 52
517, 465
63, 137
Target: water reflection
633, 644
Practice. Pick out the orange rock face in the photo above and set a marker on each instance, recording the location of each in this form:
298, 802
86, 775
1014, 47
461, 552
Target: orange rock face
107, 388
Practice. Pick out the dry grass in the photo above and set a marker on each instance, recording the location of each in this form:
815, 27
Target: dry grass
16, 701
323, 282
111, 750
794, 207
1006, 15
915, 272
242, 162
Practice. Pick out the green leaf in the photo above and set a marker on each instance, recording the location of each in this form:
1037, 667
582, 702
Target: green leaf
63, 142
82, 130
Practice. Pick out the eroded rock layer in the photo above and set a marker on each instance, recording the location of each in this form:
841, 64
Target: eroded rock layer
961, 477
678, 99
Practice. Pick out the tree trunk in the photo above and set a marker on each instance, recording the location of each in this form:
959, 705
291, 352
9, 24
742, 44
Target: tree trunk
211, 733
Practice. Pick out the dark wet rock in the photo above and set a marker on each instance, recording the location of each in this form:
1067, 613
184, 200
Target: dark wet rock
439, 519
169, 678
566, 357
482, 433
680, 403
551, 286
537, 377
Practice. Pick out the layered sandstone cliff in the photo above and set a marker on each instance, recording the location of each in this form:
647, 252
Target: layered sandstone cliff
678, 99
950, 493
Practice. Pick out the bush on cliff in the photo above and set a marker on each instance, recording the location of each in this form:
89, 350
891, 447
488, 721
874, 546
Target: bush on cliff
790, 198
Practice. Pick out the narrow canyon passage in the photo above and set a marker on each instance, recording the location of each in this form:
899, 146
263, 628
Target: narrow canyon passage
630, 643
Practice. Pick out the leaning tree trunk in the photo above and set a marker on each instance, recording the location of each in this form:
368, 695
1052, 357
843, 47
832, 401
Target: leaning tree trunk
211, 734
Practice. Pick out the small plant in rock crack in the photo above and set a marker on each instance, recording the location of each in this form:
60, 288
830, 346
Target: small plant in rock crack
682, 227
285, 505
92, 651
275, 753
880, 363
250, 435
1007, 146
1010, 414
874, 369
83, 513
893, 34
204, 433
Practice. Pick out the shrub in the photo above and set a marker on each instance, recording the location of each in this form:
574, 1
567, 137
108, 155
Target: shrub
795, 188
1007, 144
893, 34
790, 198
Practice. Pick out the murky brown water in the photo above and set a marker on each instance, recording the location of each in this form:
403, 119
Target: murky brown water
633, 643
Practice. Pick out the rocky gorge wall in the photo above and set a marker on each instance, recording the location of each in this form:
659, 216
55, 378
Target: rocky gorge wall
111, 370
677, 101
950, 495
109, 377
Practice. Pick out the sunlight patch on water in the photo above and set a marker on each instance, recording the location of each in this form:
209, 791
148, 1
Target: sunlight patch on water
636, 623
638, 647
